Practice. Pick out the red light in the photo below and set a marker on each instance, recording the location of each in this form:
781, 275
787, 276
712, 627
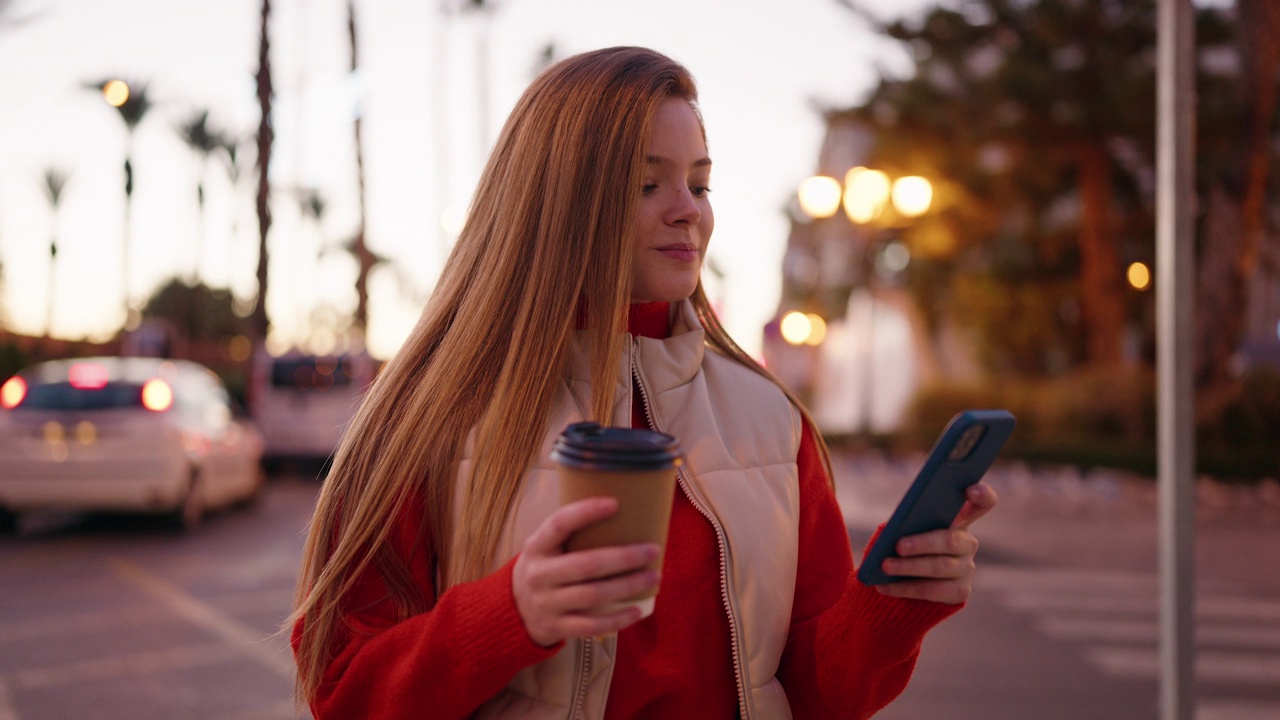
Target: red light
88, 376
157, 395
12, 392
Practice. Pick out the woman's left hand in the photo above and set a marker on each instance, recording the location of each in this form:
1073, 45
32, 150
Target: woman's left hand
941, 563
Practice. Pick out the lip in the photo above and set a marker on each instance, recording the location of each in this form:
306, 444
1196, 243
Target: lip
679, 251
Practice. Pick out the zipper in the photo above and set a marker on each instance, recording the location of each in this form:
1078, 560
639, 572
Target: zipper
578, 708
686, 488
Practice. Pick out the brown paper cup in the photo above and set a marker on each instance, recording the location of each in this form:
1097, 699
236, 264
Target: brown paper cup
638, 467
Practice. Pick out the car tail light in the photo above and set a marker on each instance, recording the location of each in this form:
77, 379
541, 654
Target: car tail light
157, 395
12, 392
88, 376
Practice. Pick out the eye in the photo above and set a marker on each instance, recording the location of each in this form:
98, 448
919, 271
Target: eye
700, 190
648, 188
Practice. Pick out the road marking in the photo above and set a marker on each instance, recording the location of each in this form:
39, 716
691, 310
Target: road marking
124, 665
237, 635
1236, 710
86, 623
1090, 629
1239, 668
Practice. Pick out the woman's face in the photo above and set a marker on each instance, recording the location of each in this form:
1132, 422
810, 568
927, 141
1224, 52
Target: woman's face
675, 220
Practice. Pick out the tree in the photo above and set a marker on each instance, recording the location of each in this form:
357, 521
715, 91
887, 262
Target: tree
1235, 221
132, 102
203, 141
195, 313
1037, 117
230, 144
365, 259
260, 323
55, 179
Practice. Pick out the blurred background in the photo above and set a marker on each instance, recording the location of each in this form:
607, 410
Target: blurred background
921, 207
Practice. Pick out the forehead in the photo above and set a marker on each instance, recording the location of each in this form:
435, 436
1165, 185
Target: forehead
677, 133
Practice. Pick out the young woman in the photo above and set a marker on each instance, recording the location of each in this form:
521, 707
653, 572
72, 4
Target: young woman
434, 582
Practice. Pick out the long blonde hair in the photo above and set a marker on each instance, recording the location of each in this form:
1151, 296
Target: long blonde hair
549, 232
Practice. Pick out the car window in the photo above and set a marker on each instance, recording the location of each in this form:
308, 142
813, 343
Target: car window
310, 373
62, 396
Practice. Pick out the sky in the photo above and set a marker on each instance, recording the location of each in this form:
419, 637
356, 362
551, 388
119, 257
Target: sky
429, 108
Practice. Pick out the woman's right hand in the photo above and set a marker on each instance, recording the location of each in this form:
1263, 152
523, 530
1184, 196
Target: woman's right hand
556, 592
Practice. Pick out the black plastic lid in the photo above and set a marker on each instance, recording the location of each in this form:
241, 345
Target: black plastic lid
590, 446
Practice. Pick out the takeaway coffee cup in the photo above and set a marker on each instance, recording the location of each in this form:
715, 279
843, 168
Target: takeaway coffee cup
638, 467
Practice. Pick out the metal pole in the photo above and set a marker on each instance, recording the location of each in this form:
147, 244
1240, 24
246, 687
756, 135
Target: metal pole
1175, 291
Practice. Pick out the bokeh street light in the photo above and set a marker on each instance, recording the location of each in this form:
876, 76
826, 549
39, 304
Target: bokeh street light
1139, 276
115, 92
819, 196
800, 328
865, 195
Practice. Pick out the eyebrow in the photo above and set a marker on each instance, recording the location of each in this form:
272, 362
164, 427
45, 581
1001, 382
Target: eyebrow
660, 160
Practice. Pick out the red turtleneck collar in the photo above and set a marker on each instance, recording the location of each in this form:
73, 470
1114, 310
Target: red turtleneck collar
651, 320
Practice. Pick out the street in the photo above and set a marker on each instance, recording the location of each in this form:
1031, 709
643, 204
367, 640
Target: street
106, 617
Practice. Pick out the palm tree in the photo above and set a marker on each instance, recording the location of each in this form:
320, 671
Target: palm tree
132, 102
364, 259
203, 142
260, 322
230, 146
55, 179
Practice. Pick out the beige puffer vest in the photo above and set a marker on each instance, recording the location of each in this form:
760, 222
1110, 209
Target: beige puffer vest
741, 436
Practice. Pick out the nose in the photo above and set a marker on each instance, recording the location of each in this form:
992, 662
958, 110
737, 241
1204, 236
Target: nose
684, 209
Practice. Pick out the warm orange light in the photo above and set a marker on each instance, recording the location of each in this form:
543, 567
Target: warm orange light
819, 196
796, 327
817, 330
865, 193
912, 196
116, 92
86, 432
12, 392
239, 348
157, 396
1139, 276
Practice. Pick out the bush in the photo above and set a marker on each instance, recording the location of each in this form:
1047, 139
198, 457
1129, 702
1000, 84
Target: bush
1107, 418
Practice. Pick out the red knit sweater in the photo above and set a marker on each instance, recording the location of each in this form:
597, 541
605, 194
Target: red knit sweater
849, 652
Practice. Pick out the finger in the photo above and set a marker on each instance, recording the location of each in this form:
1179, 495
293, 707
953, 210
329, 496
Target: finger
941, 567
587, 597
552, 534
948, 592
586, 565
981, 499
592, 625
938, 542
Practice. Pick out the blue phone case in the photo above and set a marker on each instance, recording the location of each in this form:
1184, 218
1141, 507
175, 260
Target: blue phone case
959, 458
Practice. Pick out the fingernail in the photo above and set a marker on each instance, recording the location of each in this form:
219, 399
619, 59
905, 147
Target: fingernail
905, 547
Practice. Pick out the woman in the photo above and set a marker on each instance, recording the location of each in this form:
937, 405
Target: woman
434, 582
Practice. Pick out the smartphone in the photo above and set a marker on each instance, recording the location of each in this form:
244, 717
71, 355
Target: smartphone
959, 458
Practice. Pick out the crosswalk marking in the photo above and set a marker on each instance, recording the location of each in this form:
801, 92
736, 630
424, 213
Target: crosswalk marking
1211, 666
1235, 710
1112, 617
1091, 629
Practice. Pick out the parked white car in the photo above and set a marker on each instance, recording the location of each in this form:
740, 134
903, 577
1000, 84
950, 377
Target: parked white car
303, 403
123, 434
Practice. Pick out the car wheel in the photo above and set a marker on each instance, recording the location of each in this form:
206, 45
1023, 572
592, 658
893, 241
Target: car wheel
8, 521
190, 512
